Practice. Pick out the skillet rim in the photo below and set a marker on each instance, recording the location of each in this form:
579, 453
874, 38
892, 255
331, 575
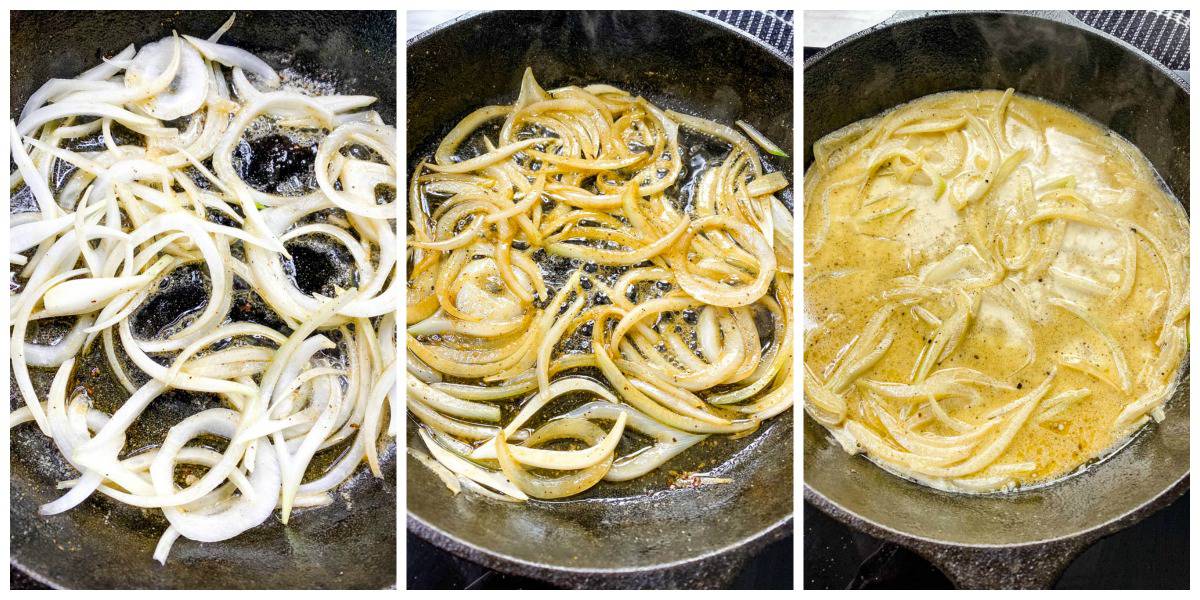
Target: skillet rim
1170, 492
158, 18
564, 575
904, 17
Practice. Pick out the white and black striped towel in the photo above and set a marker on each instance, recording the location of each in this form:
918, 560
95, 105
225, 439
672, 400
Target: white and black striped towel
771, 26
1162, 34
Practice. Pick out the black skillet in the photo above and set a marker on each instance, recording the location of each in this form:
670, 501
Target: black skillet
640, 535
350, 544
1024, 539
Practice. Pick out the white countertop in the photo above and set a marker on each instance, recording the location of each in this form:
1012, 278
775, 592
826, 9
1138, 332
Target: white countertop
824, 27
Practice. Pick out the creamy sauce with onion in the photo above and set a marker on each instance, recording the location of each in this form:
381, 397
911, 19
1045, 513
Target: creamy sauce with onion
995, 290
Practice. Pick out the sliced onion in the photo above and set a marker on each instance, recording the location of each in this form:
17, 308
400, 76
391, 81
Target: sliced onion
131, 213
187, 91
231, 56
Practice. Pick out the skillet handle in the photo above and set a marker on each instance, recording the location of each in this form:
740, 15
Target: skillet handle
1034, 566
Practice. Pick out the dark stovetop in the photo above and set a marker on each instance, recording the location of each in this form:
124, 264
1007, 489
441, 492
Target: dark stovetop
430, 568
1152, 554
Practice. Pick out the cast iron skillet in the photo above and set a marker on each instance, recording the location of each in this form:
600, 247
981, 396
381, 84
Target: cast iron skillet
102, 545
1024, 539
640, 535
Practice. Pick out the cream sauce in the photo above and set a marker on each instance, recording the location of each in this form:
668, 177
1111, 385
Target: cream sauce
1001, 232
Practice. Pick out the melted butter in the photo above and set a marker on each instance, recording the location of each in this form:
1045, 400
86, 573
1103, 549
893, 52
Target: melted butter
871, 233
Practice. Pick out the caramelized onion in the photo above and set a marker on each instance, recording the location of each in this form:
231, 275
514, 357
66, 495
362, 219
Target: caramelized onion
551, 264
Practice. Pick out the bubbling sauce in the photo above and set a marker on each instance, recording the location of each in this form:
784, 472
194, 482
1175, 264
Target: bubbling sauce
996, 290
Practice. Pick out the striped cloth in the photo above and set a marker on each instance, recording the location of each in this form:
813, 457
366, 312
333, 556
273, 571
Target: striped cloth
1162, 34
771, 26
